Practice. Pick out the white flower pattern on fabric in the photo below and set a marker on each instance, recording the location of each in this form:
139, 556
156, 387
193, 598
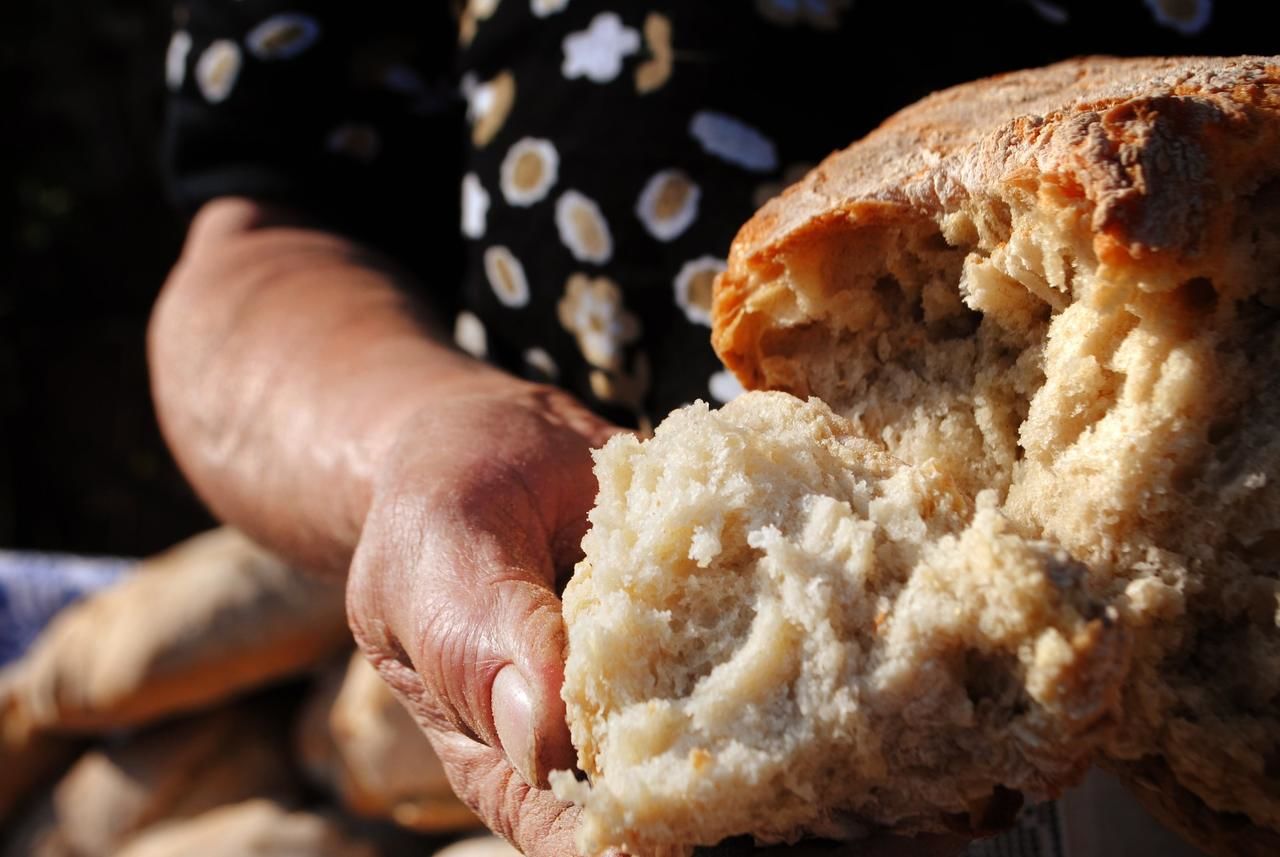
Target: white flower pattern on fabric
582, 228
724, 386
542, 363
475, 206
668, 204
693, 285
470, 336
355, 140
283, 36
592, 311
596, 53
506, 277
734, 141
529, 171
488, 105
1188, 17
546, 8
175, 59
217, 70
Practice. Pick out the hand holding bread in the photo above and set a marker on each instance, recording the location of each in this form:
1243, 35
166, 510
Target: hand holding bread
452, 593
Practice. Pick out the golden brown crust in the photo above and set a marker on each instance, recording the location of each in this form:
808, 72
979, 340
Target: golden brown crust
1131, 136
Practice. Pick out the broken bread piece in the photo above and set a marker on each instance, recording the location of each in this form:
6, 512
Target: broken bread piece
1057, 293
779, 627
1063, 285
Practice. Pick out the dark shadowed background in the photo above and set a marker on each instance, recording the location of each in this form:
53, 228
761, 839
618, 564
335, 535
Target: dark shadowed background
87, 239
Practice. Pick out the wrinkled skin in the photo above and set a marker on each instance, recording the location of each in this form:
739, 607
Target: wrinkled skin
453, 583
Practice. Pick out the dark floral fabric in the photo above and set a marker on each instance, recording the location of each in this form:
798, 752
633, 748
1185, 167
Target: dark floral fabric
565, 176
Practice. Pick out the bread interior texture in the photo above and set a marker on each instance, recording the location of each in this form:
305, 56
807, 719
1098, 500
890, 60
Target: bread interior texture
1027, 520
1125, 412
780, 628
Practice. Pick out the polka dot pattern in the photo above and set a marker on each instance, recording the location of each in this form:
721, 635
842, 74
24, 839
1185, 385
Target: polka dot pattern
175, 59
668, 204
529, 171
283, 37
506, 277
475, 206
693, 288
217, 70
583, 229
488, 105
565, 176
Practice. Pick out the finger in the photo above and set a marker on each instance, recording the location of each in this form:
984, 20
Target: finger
468, 604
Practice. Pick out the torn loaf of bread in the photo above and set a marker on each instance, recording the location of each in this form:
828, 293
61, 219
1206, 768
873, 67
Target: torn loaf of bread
1051, 297
778, 622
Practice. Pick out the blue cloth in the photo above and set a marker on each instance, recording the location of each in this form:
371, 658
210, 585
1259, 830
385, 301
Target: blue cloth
35, 586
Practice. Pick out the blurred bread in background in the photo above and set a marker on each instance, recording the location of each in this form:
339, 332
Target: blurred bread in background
210, 703
212, 617
355, 739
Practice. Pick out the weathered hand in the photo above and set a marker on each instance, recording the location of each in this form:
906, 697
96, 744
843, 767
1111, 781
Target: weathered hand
481, 504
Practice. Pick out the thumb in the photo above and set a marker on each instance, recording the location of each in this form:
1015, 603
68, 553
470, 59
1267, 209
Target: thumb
468, 607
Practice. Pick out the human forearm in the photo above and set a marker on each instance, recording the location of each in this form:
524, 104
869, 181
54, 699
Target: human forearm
283, 362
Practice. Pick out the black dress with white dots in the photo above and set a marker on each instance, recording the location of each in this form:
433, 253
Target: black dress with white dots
565, 176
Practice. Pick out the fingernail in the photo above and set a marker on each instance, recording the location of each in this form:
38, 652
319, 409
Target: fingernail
513, 718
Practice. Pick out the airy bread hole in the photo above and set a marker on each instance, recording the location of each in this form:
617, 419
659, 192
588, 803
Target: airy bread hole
1257, 231
993, 813
992, 680
1197, 296
711, 620
888, 292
